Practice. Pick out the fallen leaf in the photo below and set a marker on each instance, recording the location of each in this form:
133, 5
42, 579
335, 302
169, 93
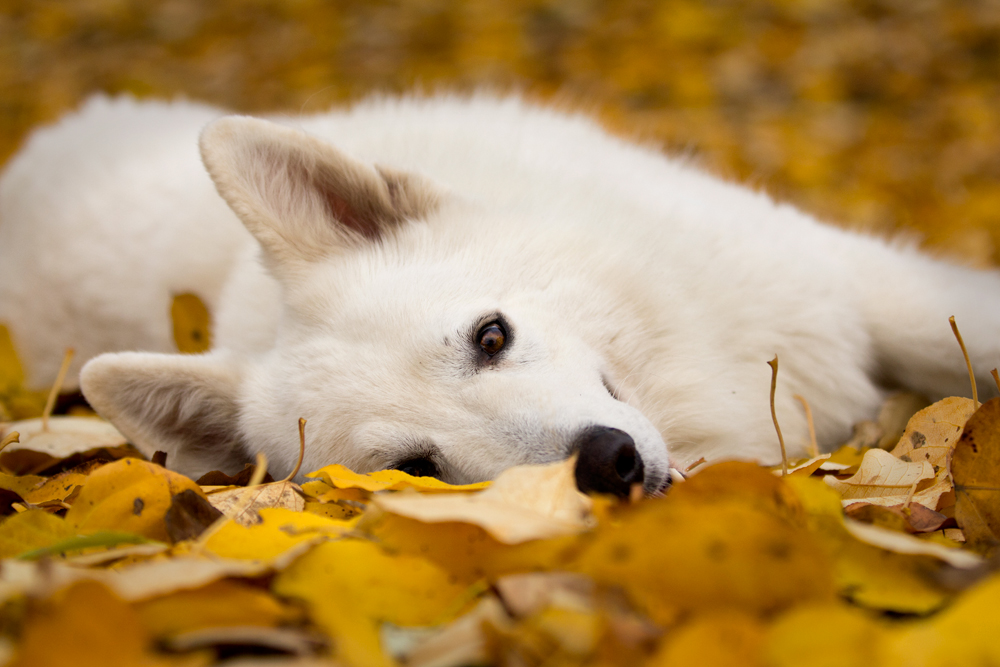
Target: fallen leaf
975, 466
715, 639
902, 543
242, 478
189, 515
280, 537
865, 574
340, 477
243, 504
351, 586
963, 634
65, 435
220, 603
886, 480
256, 640
529, 593
128, 495
30, 530
461, 642
92, 627
850, 636
16, 400
914, 519
932, 433
524, 503
722, 553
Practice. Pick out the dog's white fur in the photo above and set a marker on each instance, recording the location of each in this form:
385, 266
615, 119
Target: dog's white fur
612, 264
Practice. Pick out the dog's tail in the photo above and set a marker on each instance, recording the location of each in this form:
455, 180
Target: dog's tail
907, 298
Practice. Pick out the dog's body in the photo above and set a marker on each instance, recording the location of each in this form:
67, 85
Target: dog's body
628, 291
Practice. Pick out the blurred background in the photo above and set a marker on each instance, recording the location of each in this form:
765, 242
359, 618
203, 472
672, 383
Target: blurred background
875, 114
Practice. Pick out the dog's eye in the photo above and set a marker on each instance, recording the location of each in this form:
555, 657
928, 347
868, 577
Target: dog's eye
422, 467
491, 338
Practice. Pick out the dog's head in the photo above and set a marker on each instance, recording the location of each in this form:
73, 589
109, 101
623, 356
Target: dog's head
417, 332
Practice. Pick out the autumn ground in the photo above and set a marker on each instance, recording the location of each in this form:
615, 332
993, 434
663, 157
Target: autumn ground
875, 114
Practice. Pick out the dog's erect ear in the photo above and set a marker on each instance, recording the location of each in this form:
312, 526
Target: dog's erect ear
183, 405
301, 197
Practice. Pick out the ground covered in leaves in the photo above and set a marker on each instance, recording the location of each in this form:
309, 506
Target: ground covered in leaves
883, 553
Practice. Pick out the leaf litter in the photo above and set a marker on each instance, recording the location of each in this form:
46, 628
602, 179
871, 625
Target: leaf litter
851, 557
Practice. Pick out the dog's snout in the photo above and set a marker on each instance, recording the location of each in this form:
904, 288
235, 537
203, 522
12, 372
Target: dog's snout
608, 462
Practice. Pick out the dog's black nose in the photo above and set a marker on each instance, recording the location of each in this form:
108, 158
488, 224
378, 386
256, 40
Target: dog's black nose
609, 461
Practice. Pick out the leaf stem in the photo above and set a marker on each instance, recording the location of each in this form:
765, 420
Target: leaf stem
774, 415
968, 363
813, 445
50, 403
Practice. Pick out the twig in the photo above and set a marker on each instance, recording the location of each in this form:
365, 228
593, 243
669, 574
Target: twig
968, 363
774, 415
996, 378
813, 445
50, 404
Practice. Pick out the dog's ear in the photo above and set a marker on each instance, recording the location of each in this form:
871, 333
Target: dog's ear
300, 197
184, 405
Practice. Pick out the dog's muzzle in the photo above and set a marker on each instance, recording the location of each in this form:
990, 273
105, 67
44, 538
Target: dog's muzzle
608, 461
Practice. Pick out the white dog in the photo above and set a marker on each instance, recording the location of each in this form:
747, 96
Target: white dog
454, 286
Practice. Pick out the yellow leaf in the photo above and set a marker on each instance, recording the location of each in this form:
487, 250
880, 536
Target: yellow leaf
467, 551
21, 484
852, 637
192, 324
220, 603
128, 495
341, 477
282, 534
524, 503
86, 625
866, 574
963, 634
673, 558
351, 587
932, 433
30, 530
16, 402
718, 639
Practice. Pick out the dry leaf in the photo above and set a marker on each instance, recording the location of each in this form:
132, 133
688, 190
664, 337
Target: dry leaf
65, 435
189, 516
976, 468
932, 433
243, 504
461, 642
524, 503
902, 543
882, 479
531, 592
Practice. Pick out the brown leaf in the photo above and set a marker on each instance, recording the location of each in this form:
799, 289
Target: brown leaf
882, 479
188, 516
917, 519
975, 466
932, 433
242, 478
